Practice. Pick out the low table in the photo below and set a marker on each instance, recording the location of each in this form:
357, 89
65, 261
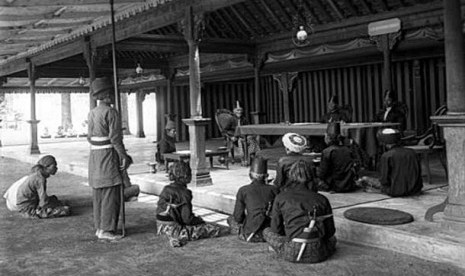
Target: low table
185, 155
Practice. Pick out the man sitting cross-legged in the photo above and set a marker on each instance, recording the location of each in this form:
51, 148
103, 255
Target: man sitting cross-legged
302, 227
175, 218
253, 203
400, 168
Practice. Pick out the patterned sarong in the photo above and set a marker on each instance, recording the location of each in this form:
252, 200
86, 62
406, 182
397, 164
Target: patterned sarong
237, 229
316, 251
53, 209
179, 235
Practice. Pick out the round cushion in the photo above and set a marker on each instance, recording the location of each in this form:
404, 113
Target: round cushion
376, 215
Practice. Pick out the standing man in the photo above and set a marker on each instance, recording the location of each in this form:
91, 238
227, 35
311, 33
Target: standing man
106, 160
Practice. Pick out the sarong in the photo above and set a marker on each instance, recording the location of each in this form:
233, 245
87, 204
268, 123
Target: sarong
178, 235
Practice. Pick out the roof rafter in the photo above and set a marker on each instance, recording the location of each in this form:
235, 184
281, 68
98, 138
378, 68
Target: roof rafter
243, 21
34, 3
273, 15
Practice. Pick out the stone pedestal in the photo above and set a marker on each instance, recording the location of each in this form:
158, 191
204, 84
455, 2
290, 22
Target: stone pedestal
454, 134
197, 146
34, 146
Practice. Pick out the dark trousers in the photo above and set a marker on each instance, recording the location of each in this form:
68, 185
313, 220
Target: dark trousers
107, 202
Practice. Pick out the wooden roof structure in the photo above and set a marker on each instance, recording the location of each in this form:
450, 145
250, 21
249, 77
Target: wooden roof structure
54, 36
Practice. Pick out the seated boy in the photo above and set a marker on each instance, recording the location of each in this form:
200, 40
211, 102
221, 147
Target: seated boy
253, 204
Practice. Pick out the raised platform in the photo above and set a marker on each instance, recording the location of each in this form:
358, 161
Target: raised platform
420, 238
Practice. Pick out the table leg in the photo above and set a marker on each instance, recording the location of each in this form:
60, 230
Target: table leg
211, 162
226, 162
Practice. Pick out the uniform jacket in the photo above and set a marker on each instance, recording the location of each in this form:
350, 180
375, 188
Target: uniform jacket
290, 213
395, 115
284, 165
104, 171
337, 168
335, 115
252, 204
177, 194
400, 172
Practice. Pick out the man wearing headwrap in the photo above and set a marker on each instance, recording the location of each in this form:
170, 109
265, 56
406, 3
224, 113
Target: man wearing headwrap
337, 168
295, 145
253, 204
292, 233
167, 144
335, 112
107, 159
392, 111
174, 215
29, 194
400, 168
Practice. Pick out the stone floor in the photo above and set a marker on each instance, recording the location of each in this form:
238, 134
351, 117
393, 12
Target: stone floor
420, 238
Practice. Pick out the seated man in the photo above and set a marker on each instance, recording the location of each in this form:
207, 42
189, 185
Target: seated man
174, 210
236, 140
393, 111
166, 144
29, 196
302, 227
335, 112
295, 145
253, 204
400, 168
337, 169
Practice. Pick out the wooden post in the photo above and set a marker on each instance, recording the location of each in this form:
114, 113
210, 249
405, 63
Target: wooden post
140, 97
125, 114
192, 27
418, 98
257, 61
90, 56
454, 121
385, 44
286, 83
32, 75
66, 116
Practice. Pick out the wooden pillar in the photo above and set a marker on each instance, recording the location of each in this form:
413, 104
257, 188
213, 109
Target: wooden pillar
32, 75
257, 114
125, 114
66, 116
161, 110
454, 121
286, 83
385, 44
92, 58
140, 97
192, 27
419, 115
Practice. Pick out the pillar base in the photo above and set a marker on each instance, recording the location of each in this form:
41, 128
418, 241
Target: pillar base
34, 146
197, 146
140, 134
454, 131
201, 179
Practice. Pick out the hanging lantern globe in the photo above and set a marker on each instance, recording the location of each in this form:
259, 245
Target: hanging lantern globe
301, 34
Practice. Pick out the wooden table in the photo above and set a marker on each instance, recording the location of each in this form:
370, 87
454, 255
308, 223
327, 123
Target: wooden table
185, 155
364, 134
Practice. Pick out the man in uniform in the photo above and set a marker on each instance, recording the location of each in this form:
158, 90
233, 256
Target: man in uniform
253, 204
106, 160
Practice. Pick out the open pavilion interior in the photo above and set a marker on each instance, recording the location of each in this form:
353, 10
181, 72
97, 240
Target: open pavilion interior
199, 56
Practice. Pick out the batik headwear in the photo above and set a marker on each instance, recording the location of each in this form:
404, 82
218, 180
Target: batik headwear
388, 136
294, 142
238, 107
101, 88
334, 99
180, 172
46, 161
259, 168
170, 125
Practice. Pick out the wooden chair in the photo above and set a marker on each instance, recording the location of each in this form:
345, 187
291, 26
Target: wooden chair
429, 142
226, 120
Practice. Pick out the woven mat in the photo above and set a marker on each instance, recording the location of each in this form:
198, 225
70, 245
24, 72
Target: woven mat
379, 216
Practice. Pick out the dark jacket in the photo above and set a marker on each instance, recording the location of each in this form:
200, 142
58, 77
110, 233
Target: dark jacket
230, 129
252, 205
290, 213
177, 194
337, 168
395, 115
335, 115
284, 165
400, 172
166, 145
